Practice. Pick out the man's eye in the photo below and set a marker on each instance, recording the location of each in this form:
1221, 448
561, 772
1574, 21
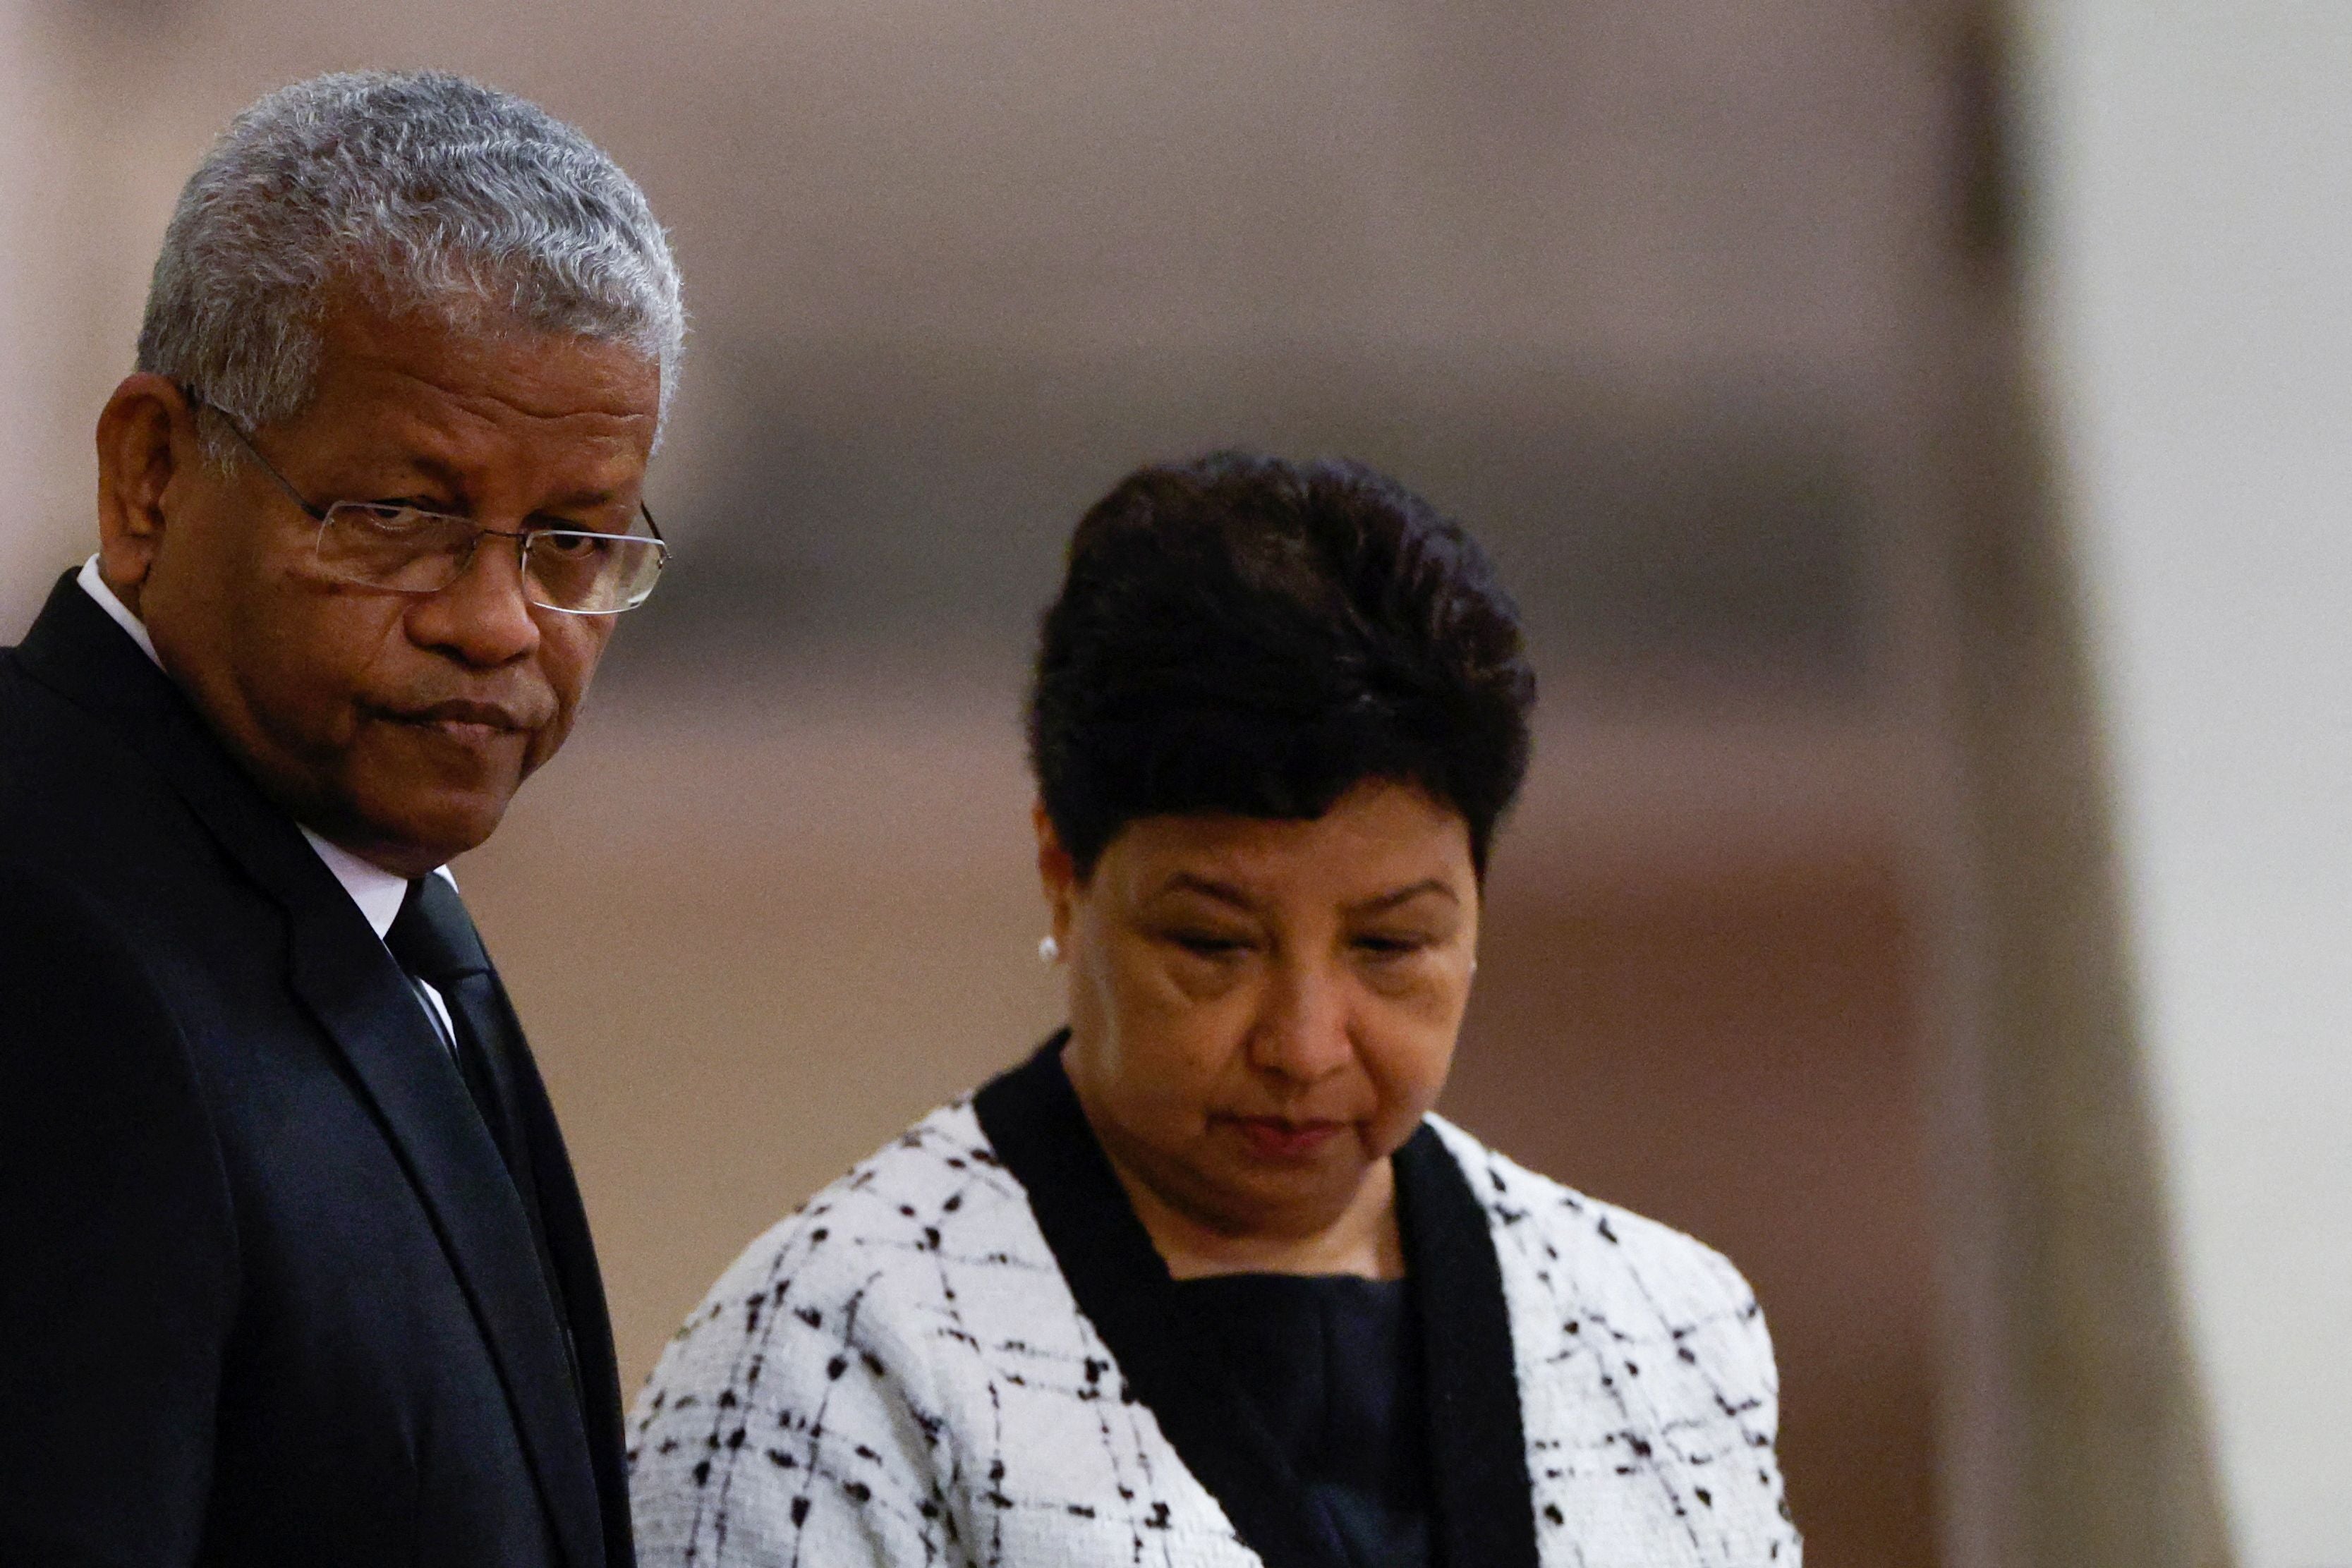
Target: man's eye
572, 546
396, 516
400, 519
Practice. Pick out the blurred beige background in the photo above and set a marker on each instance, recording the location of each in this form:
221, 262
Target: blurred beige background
1706, 318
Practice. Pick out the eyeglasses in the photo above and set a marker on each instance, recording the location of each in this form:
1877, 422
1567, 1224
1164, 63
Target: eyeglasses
408, 550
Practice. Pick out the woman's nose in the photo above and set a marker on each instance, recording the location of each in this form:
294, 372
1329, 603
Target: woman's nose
1301, 1032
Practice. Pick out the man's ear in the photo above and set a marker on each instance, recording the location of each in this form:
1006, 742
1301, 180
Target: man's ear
1058, 874
146, 440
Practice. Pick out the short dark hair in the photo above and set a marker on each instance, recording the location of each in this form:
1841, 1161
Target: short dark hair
1243, 634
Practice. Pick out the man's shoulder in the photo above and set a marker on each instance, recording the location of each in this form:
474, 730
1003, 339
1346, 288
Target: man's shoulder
97, 850
53, 925
60, 765
43, 731
81, 804
89, 1043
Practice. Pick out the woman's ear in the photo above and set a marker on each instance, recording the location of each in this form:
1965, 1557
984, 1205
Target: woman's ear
1057, 872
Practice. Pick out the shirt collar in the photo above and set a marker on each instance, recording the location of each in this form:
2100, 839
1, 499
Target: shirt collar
116, 610
376, 890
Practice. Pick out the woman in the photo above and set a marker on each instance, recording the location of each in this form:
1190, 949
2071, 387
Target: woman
1204, 1282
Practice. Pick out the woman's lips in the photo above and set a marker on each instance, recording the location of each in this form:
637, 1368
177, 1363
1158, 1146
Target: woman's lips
1275, 1138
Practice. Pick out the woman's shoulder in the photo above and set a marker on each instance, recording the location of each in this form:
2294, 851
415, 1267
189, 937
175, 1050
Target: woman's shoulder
864, 1273
935, 1187
1645, 1373
803, 1399
1551, 1235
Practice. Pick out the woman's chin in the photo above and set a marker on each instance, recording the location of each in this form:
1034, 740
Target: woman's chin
1287, 1203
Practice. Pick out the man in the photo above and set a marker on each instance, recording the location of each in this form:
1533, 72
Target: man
292, 1266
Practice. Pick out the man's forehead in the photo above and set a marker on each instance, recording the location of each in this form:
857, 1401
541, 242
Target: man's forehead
480, 356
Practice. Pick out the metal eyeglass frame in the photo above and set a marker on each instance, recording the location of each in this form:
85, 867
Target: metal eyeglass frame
320, 515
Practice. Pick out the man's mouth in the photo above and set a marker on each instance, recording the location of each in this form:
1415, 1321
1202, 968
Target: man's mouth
467, 722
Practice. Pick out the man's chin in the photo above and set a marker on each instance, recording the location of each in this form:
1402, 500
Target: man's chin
412, 835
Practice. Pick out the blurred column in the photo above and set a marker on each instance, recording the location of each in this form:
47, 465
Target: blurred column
2108, 1446
2099, 1452
2195, 221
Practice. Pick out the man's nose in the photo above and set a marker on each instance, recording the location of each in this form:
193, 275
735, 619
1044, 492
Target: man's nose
485, 616
1301, 1032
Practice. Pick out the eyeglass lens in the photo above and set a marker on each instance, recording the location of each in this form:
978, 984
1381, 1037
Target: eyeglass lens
414, 551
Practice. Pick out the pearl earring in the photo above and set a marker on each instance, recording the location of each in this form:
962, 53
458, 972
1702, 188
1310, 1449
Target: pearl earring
1049, 950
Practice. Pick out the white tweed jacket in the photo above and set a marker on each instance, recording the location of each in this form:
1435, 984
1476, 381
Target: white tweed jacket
901, 1373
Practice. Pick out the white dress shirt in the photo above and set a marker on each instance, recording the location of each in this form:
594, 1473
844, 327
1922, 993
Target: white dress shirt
377, 891
91, 583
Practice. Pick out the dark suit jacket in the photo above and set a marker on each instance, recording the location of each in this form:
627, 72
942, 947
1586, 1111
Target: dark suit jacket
268, 1295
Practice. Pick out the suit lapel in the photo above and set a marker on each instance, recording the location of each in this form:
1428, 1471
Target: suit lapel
563, 1219
1477, 1440
1034, 1123
357, 995
341, 972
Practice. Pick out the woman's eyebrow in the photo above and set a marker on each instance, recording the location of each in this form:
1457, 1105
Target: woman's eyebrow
1223, 892
1388, 901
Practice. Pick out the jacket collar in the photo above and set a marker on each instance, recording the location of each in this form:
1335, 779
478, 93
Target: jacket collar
1476, 1442
349, 983
1477, 1438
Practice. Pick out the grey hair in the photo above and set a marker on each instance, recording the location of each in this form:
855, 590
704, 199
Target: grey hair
424, 190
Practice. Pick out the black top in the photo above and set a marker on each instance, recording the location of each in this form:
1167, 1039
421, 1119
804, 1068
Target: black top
1331, 1364
1481, 1504
269, 1296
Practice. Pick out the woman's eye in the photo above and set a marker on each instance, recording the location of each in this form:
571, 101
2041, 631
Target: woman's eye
1208, 944
1385, 947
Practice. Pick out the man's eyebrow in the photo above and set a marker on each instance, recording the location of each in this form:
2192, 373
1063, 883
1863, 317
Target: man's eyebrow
432, 467
583, 500
451, 478
395, 466
1388, 901
565, 512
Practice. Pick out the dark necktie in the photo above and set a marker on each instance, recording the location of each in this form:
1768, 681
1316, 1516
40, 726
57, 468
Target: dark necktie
433, 939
